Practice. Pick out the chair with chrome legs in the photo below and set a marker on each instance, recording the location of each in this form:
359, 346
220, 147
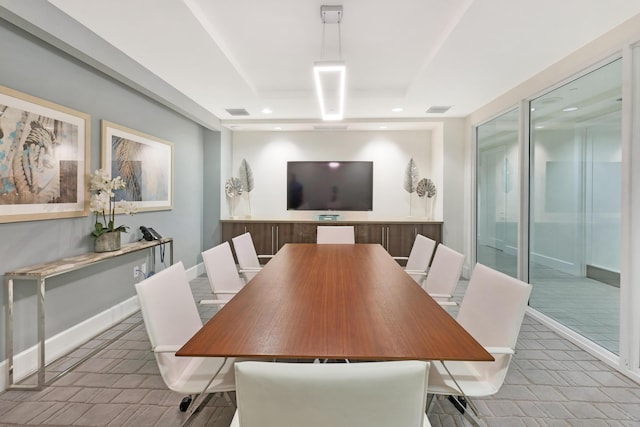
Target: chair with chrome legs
171, 318
335, 234
222, 273
444, 275
491, 311
371, 394
419, 258
248, 259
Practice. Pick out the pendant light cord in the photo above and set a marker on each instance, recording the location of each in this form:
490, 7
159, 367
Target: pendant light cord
322, 52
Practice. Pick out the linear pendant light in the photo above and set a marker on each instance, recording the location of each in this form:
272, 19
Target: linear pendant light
329, 76
330, 85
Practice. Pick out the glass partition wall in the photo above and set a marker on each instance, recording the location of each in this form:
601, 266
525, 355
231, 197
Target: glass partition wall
497, 196
575, 204
572, 256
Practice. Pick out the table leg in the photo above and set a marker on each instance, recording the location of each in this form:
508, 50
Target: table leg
9, 331
153, 259
41, 355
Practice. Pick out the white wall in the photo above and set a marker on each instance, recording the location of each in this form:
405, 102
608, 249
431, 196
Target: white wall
268, 152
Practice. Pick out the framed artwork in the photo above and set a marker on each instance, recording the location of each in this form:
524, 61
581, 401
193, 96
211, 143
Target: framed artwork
44, 159
144, 162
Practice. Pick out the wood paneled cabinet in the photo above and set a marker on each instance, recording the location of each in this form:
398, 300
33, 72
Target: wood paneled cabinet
269, 236
296, 232
397, 238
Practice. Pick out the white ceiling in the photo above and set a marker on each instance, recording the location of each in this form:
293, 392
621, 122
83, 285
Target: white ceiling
412, 54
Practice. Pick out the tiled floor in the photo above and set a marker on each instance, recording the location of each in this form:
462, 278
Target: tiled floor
551, 382
588, 307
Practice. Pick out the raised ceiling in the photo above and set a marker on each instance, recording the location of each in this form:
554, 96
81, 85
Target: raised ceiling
413, 54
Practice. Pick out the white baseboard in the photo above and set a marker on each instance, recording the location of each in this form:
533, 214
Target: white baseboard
26, 362
511, 250
555, 263
195, 271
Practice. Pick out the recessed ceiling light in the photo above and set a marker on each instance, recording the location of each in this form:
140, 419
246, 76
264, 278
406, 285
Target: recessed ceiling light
397, 109
540, 127
277, 128
383, 127
569, 109
266, 111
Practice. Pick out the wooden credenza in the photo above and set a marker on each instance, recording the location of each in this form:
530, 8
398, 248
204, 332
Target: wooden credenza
270, 235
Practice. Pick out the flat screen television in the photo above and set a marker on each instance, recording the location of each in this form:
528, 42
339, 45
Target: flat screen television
322, 186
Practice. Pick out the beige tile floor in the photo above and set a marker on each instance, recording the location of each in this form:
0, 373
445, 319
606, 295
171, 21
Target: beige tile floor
551, 382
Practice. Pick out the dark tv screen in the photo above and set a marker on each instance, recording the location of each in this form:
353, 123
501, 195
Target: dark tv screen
340, 186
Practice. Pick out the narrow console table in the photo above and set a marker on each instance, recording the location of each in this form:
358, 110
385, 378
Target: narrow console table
40, 273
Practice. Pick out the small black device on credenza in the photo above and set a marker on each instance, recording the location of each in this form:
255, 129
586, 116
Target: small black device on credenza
149, 233
330, 185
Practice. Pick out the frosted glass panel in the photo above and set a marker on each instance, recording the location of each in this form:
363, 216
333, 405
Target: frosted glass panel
575, 204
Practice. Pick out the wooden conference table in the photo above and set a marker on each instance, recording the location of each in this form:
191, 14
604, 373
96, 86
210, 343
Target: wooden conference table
334, 302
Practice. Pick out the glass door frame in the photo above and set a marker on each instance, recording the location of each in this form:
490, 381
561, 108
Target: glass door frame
474, 192
629, 360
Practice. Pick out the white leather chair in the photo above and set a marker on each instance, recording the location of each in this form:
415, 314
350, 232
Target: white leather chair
248, 259
371, 394
223, 275
491, 311
444, 274
418, 260
336, 234
171, 319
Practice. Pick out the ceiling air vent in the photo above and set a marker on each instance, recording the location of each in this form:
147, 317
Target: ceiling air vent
438, 109
237, 111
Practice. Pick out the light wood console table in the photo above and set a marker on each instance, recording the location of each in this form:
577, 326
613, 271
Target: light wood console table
40, 273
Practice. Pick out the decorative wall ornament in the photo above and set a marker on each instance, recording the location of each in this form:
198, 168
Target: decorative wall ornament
426, 188
233, 188
411, 179
246, 177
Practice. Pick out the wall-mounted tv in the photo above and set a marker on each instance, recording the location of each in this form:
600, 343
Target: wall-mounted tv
340, 186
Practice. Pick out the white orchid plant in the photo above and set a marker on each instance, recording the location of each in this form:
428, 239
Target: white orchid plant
104, 205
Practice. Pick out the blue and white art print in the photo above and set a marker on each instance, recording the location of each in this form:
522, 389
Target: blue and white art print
144, 162
43, 159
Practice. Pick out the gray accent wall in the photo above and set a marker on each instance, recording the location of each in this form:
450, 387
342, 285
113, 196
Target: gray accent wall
212, 234
34, 67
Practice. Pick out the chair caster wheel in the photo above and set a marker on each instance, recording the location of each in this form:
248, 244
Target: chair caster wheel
184, 404
459, 402
462, 400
